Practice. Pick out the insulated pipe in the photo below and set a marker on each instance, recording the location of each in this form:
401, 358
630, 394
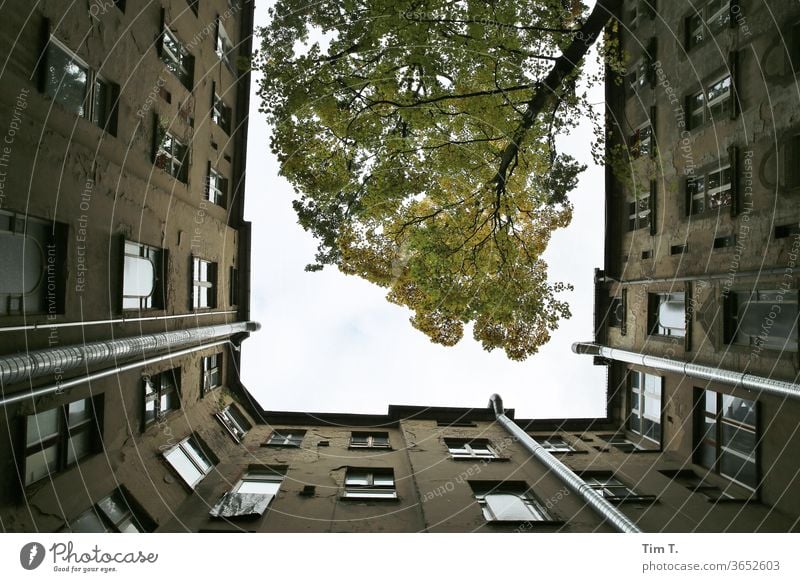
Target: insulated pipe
56, 361
771, 386
61, 386
609, 512
121, 320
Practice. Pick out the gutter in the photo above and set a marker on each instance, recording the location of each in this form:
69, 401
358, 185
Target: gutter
744, 380
593, 499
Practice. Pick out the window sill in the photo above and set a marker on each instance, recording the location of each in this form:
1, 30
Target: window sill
641, 500
277, 446
530, 523
357, 499
357, 448
568, 453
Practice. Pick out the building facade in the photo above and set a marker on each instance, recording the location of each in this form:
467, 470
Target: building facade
697, 302
125, 255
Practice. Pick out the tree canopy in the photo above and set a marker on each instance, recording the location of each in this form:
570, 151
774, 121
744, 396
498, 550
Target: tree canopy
420, 137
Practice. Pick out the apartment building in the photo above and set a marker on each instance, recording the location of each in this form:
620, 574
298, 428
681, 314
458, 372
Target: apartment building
696, 304
125, 255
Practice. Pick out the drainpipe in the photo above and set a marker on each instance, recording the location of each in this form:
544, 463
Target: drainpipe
760, 384
56, 361
61, 386
701, 277
120, 320
600, 504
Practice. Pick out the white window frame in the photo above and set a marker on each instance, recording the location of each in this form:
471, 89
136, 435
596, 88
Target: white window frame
642, 386
556, 444
221, 114
701, 113
763, 296
172, 156
217, 185
530, 506
371, 440
231, 424
369, 484
155, 255
156, 387
127, 522
612, 489
89, 108
224, 45
662, 330
477, 448
178, 63
209, 282
286, 438
192, 451
211, 364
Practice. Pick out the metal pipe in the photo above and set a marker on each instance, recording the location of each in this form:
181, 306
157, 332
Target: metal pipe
121, 320
600, 504
760, 384
56, 361
61, 386
703, 277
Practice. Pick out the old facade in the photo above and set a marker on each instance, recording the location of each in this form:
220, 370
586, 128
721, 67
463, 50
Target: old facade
125, 256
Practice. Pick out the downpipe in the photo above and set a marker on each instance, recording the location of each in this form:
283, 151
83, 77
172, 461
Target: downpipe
600, 504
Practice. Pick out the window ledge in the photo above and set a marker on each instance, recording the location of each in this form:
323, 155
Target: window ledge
357, 448
528, 522
280, 446
568, 453
640, 499
352, 498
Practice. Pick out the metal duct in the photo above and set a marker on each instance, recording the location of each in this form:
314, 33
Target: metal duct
57, 361
771, 386
609, 512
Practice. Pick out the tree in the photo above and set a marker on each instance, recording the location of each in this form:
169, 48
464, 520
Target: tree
422, 144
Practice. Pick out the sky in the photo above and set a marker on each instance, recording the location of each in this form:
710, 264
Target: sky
333, 343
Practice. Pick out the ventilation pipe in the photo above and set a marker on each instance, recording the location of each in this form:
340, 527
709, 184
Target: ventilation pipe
57, 361
760, 384
609, 512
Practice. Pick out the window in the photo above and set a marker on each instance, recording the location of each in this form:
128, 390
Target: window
693, 482
678, 249
612, 488
556, 444
616, 312
369, 440
193, 5
234, 422
217, 187
725, 436
508, 501
639, 213
251, 496
204, 284
189, 460
32, 265
286, 438
224, 46
178, 60
710, 104
212, 373
142, 282
221, 113
725, 242
621, 442
161, 395
59, 437
787, 230
369, 484
118, 512
706, 21
666, 314
762, 319
171, 154
69, 81
647, 255
641, 141
470, 449
711, 190
645, 405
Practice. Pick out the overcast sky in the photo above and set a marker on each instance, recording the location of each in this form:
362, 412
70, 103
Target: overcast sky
332, 343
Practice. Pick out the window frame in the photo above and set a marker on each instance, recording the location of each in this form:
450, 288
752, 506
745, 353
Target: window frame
171, 154
236, 427
473, 448
717, 444
89, 107
61, 438
537, 510
131, 512
703, 19
292, 438
210, 283
560, 447
654, 303
701, 200
609, 486
216, 187
180, 64
639, 213
157, 257
371, 440
639, 387
166, 383
221, 114
639, 146
208, 365
223, 45
193, 443
369, 490
731, 318
710, 109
